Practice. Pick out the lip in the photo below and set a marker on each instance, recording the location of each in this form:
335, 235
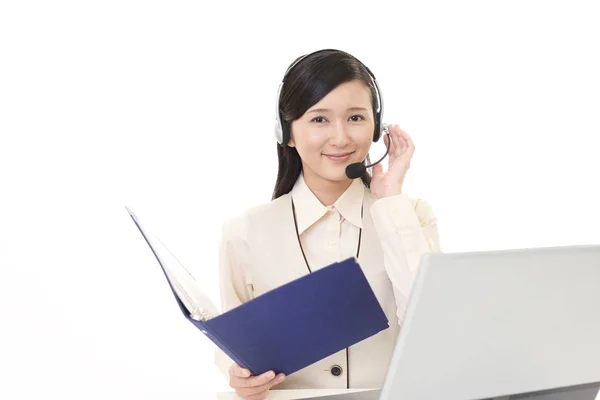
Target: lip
338, 157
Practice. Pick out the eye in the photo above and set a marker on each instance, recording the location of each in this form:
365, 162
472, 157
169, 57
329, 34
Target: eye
356, 118
319, 119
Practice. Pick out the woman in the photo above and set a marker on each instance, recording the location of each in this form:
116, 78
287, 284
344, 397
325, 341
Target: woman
328, 115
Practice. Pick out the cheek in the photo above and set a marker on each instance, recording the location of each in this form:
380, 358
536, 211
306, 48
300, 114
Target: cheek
364, 143
310, 145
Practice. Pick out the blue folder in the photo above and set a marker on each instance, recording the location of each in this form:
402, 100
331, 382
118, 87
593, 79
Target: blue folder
298, 323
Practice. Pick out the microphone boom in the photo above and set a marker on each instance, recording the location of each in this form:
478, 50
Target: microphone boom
356, 170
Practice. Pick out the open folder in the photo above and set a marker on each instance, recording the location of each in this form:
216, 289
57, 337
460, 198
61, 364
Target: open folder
287, 328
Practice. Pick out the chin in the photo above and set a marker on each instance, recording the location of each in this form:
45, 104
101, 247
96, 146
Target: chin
336, 175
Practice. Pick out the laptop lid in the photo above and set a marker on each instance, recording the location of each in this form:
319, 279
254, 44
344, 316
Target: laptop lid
489, 324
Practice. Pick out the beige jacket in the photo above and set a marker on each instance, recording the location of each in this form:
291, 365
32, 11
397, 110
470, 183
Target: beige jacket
260, 251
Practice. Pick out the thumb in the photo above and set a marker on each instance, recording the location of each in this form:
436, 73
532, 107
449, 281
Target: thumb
238, 371
377, 170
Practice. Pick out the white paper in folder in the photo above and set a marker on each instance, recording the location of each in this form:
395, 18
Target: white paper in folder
200, 307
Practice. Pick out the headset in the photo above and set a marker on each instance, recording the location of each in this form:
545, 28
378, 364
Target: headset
283, 135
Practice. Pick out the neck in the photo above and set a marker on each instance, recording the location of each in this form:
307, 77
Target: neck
325, 190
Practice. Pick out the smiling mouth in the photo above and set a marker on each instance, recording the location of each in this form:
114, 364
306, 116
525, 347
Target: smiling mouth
338, 157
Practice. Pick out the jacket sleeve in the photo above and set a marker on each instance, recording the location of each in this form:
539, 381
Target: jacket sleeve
234, 281
407, 229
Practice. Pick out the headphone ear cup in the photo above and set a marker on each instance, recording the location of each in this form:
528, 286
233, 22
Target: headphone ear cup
278, 132
378, 130
284, 133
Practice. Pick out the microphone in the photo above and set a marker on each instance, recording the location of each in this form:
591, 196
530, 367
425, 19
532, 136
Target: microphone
357, 170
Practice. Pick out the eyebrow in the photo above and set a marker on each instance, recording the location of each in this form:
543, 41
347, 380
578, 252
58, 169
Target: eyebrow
327, 109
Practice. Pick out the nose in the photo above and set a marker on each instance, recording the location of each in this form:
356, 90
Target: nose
339, 135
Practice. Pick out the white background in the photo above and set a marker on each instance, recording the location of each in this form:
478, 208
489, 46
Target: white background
168, 107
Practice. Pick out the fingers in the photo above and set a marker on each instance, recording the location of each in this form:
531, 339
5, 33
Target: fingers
259, 392
409, 141
237, 382
259, 380
377, 170
241, 378
238, 371
401, 142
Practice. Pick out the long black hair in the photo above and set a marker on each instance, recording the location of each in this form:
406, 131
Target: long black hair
304, 86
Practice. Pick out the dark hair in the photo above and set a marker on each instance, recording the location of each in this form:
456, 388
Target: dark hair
304, 86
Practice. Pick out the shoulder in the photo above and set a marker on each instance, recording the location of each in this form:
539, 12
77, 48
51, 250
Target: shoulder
238, 225
270, 208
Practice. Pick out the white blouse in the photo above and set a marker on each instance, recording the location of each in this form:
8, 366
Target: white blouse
260, 251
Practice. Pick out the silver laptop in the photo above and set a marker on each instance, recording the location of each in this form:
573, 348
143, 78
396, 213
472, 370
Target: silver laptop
508, 324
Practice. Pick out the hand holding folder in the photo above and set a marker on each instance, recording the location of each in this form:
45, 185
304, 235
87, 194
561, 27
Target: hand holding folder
287, 328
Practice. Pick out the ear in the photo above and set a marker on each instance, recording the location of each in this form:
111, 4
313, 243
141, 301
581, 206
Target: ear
291, 142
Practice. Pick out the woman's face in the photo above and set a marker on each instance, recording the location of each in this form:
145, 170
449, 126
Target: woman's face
335, 132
